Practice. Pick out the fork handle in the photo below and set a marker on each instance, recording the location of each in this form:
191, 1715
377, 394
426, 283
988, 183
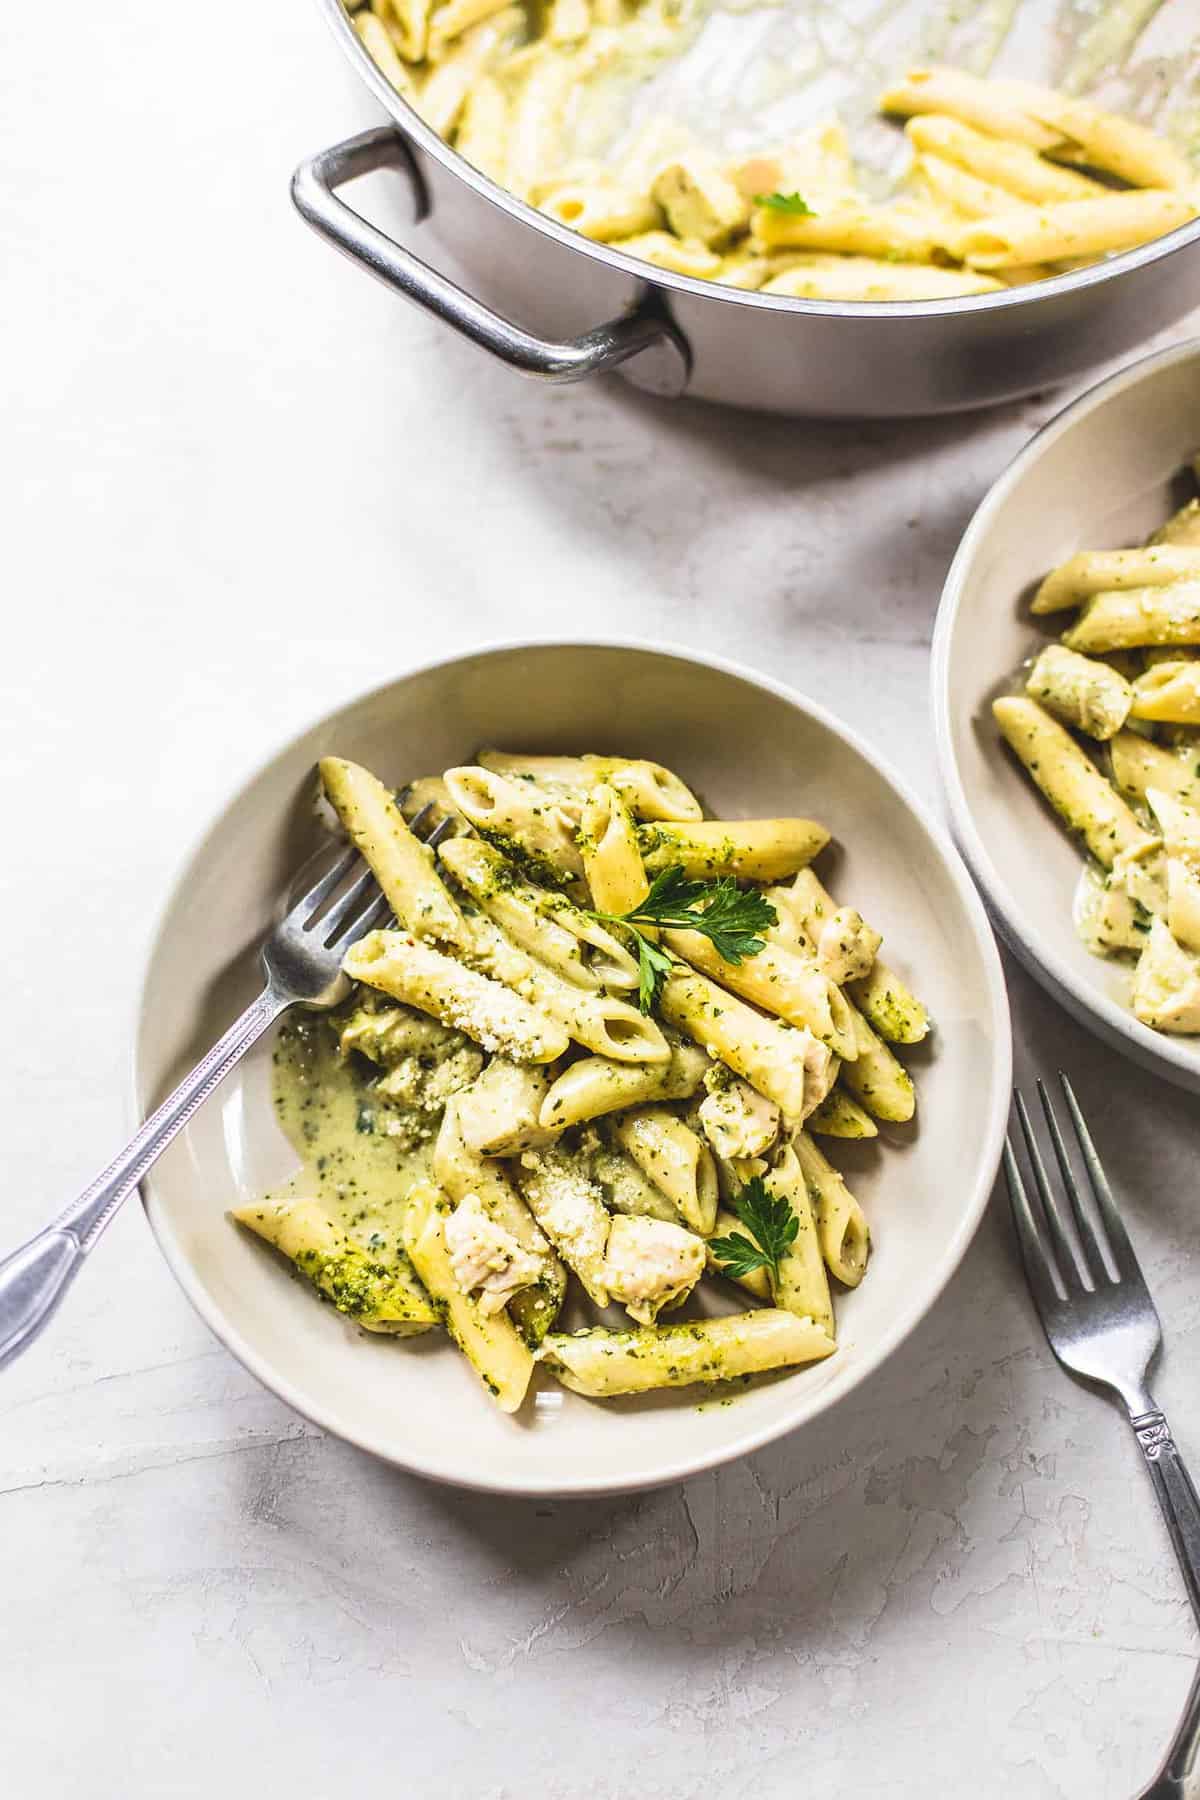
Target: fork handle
34, 1278
1175, 1493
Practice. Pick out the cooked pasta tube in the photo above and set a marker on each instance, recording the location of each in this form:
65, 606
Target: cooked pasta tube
1070, 781
612, 860
871, 279
528, 824
751, 849
1182, 528
452, 18
884, 999
1139, 765
1080, 691
489, 1341
483, 127
1128, 619
596, 1085
780, 981
599, 1363
402, 865
1102, 140
443, 94
671, 1155
683, 256
839, 1116
649, 790
598, 1021
430, 792
379, 1297
1169, 692
1101, 571
544, 923
539, 107
801, 1286
459, 1171
767, 1054
625, 1189
380, 46
1015, 167
875, 1077
850, 228
485, 1010
601, 210
500, 1111
1072, 228
755, 1281
559, 1191
958, 189
841, 1223
975, 102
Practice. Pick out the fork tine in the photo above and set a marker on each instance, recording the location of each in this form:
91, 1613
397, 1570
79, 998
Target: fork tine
1040, 1269
308, 902
340, 915
1064, 1251
419, 817
443, 829
375, 916
1092, 1241
1120, 1250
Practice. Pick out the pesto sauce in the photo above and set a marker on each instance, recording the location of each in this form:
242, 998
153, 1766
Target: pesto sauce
350, 1163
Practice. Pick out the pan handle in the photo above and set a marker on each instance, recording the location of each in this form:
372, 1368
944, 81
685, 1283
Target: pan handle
314, 191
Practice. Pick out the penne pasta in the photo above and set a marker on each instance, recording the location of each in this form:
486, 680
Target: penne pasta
1016, 168
378, 1297
596, 1086
1092, 572
403, 867
802, 1286
567, 1204
1168, 692
770, 1056
495, 1017
599, 1363
884, 999
780, 981
671, 1155
489, 1341
869, 279
841, 1226
612, 859
1126, 619
750, 849
838, 1115
875, 1077
1072, 228
851, 228
526, 823
1071, 782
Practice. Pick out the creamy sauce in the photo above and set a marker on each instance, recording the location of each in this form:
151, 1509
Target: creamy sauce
351, 1165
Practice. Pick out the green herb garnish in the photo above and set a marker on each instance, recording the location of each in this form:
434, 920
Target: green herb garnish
773, 1224
730, 917
786, 203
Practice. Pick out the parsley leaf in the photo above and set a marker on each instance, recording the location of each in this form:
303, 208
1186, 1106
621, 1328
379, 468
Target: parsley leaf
786, 203
730, 917
773, 1224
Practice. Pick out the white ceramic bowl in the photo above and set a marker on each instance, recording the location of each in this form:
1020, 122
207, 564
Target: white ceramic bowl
750, 747
1103, 473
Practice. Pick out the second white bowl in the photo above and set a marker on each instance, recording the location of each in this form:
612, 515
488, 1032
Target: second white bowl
1101, 475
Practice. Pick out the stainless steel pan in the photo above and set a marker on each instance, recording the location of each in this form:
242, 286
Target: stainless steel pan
585, 307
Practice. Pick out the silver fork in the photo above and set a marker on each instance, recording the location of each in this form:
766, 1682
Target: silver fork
1102, 1324
302, 966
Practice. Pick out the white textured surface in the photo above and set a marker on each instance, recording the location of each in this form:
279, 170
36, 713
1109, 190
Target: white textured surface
241, 483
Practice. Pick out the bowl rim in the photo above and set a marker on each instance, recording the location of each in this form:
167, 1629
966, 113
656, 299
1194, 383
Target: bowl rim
1093, 1008
413, 127
443, 1469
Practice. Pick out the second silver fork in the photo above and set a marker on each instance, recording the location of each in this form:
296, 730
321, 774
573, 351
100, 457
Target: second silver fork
1098, 1315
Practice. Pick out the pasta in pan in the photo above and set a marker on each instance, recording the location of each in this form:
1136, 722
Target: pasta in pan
1006, 182
583, 1068
1108, 728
